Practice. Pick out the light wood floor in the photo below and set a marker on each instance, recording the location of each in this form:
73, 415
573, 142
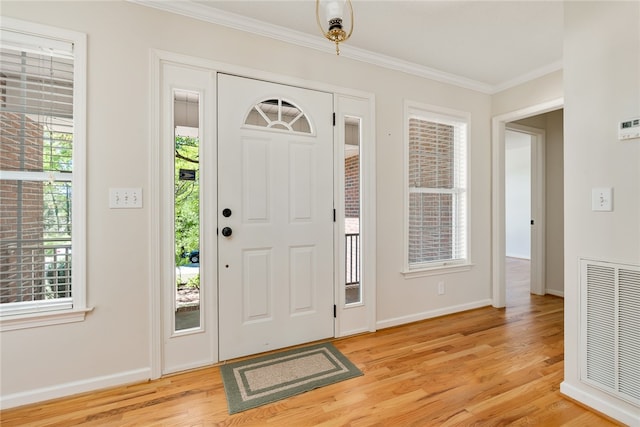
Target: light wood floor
485, 367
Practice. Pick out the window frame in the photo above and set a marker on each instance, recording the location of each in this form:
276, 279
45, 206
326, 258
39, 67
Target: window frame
23, 315
440, 115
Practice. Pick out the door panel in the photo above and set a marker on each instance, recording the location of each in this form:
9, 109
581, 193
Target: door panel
301, 180
276, 267
257, 283
302, 264
256, 180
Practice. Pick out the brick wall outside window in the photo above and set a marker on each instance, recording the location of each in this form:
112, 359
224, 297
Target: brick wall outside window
21, 218
431, 167
352, 187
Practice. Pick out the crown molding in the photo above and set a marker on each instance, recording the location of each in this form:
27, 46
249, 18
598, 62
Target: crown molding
238, 22
242, 23
531, 75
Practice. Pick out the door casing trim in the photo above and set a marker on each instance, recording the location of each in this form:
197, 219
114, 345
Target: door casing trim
538, 196
498, 126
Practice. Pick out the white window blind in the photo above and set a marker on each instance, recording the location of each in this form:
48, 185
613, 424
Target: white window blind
36, 173
437, 190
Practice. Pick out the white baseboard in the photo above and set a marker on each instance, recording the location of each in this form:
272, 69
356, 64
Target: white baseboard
555, 293
353, 332
388, 323
522, 257
75, 387
608, 408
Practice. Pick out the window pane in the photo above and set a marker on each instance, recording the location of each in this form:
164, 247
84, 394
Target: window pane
431, 154
36, 83
35, 270
430, 227
278, 114
436, 174
353, 285
187, 311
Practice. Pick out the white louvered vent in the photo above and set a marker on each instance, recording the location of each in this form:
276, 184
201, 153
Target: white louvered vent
610, 327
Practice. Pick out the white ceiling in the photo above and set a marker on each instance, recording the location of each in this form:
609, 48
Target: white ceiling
484, 45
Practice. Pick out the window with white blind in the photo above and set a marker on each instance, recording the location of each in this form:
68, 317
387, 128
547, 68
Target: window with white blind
436, 197
42, 172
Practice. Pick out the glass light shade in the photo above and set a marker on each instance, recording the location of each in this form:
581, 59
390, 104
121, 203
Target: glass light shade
335, 9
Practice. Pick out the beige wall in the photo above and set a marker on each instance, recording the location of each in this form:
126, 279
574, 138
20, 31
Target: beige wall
554, 202
601, 87
538, 91
113, 344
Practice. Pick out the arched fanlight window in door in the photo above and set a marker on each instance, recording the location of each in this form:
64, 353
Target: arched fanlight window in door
278, 114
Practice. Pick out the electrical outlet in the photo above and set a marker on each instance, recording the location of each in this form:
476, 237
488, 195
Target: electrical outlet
441, 288
125, 198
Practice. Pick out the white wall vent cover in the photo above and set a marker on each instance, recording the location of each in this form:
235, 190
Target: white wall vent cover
610, 328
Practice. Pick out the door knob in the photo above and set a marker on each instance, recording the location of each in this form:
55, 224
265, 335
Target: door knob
227, 231
226, 212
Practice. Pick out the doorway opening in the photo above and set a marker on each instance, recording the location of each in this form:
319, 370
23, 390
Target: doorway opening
518, 214
541, 280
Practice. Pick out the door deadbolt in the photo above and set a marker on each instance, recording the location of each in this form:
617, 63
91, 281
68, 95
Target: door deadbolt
226, 212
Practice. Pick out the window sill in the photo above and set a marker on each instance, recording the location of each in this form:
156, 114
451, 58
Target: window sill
434, 271
36, 320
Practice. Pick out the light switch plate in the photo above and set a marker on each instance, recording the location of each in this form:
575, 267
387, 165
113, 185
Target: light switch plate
602, 199
125, 198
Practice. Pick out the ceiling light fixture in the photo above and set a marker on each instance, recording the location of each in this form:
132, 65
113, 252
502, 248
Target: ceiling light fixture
334, 14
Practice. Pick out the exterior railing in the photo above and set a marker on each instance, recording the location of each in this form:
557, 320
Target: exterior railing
352, 259
34, 269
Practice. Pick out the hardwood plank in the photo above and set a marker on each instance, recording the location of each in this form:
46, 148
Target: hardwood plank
488, 367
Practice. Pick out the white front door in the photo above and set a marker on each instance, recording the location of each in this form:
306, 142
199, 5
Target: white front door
275, 216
